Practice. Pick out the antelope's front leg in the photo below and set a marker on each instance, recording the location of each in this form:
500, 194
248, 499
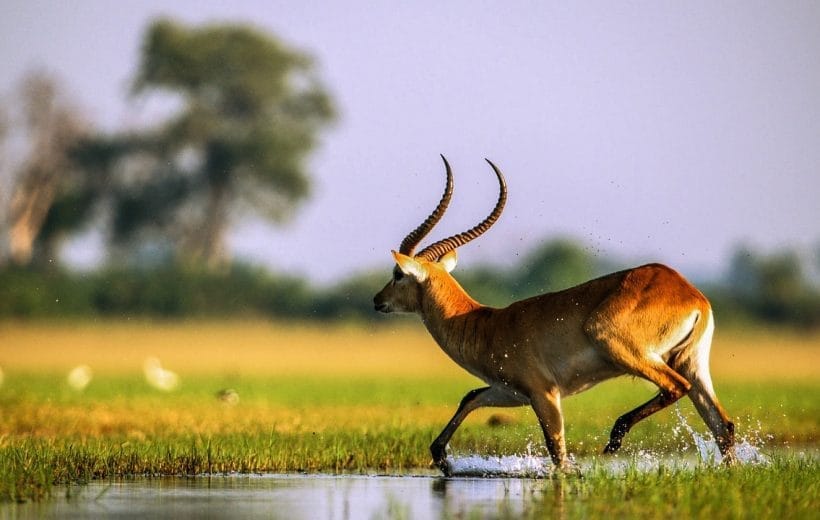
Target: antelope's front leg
487, 396
547, 407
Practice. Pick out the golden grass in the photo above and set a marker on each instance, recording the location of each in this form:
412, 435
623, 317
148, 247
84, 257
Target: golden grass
322, 398
144, 419
251, 348
264, 348
766, 354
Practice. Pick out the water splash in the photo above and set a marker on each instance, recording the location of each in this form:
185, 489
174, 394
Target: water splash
530, 465
527, 465
709, 453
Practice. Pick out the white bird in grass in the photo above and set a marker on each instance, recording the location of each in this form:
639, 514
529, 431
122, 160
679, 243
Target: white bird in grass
158, 377
79, 377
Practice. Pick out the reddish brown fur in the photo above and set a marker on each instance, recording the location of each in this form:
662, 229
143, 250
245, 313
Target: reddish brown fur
648, 322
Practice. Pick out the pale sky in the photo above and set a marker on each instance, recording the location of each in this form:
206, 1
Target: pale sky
665, 131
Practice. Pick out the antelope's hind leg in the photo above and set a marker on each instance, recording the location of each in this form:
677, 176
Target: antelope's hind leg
628, 351
630, 419
706, 403
716, 419
695, 368
672, 386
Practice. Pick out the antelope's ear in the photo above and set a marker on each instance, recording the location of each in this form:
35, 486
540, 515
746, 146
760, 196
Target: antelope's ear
449, 260
410, 266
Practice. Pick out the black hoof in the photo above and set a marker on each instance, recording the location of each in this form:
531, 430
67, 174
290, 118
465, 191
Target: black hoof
444, 466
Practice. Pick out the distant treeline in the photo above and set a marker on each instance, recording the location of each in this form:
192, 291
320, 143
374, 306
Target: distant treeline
771, 289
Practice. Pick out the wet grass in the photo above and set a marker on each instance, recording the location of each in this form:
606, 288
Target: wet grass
124, 428
315, 410
786, 488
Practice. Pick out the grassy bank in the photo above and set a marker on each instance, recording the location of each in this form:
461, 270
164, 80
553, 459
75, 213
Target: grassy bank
331, 400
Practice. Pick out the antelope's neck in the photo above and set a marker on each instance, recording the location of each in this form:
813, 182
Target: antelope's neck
454, 319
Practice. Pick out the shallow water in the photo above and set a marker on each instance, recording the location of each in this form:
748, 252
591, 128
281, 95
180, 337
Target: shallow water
290, 496
517, 483
511, 492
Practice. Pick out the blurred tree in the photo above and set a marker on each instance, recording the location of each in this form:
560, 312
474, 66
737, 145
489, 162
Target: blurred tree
47, 179
490, 285
744, 276
555, 265
250, 112
784, 290
817, 258
4, 183
774, 287
781, 277
4, 129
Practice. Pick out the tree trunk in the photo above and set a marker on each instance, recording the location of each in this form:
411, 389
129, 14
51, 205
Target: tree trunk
29, 208
209, 240
53, 127
203, 244
214, 253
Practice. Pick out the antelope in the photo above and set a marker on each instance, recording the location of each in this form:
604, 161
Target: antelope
648, 321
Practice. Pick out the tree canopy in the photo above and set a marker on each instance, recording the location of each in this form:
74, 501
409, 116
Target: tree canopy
249, 112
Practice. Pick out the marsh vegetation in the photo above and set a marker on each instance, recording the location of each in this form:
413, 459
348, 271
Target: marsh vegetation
259, 397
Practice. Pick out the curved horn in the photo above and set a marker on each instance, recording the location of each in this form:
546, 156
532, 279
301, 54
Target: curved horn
411, 241
435, 251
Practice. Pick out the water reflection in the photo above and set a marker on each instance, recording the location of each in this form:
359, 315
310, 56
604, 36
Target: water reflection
301, 497
510, 498
294, 496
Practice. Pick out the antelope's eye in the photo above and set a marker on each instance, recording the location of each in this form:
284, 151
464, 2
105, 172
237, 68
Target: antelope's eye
397, 274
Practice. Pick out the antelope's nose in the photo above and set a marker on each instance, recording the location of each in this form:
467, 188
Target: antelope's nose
380, 305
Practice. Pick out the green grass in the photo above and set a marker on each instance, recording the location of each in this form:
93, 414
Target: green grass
120, 427
352, 400
787, 488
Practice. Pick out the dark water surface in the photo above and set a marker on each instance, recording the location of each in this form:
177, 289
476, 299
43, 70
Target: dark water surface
510, 493
294, 497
